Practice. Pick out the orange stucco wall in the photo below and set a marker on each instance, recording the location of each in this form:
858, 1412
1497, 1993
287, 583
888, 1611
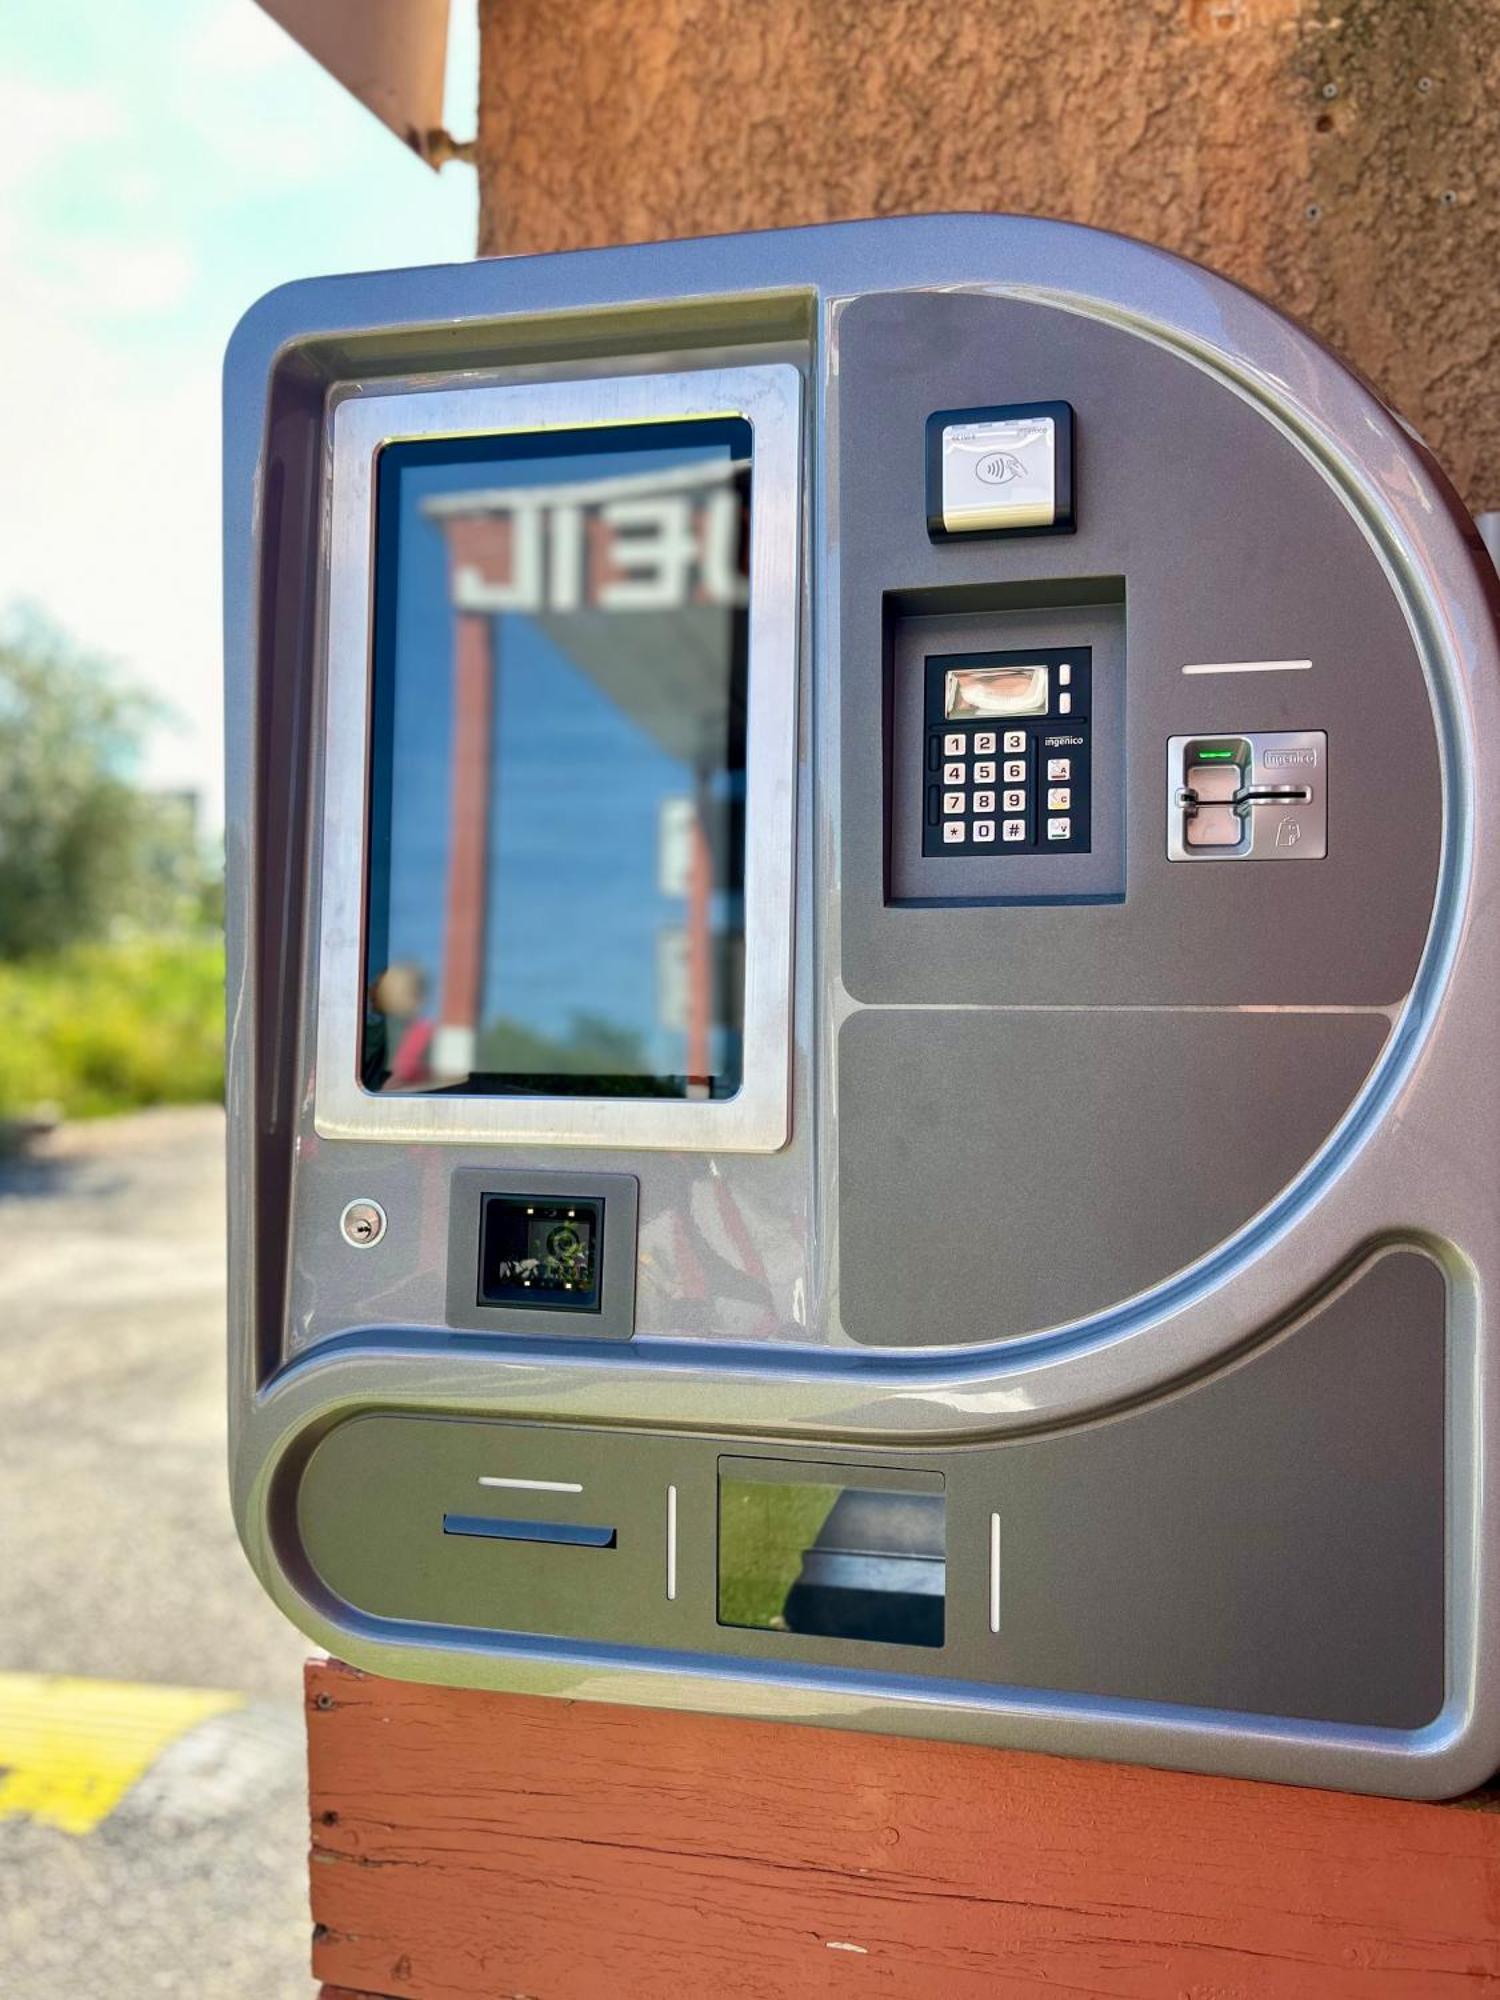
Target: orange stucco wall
1338, 155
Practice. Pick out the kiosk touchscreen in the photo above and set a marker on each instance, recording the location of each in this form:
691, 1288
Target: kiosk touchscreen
863, 1034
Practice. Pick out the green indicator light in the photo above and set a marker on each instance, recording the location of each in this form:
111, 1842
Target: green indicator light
1214, 756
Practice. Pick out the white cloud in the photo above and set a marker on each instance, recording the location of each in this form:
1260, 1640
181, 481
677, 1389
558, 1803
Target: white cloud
109, 515
254, 101
235, 38
180, 170
109, 277
43, 121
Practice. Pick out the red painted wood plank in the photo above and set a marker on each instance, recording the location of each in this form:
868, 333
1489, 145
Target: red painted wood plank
468, 1844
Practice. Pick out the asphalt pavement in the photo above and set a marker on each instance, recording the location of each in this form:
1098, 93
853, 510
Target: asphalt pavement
119, 1565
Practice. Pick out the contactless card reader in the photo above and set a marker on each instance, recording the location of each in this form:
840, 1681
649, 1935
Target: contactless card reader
765, 1173
1000, 471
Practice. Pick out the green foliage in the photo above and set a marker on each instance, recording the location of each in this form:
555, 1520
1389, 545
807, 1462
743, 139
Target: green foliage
764, 1529
593, 1047
83, 851
101, 1028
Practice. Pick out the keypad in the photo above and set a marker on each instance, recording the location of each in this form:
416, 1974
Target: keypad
1001, 790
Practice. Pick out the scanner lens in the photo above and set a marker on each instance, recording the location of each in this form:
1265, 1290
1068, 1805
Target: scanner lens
540, 1253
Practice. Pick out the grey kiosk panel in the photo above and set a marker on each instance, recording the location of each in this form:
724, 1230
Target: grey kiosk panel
1021, 1232
1150, 1558
1182, 488
1019, 1273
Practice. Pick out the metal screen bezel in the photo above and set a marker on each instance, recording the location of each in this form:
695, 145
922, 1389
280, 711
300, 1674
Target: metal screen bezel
756, 1118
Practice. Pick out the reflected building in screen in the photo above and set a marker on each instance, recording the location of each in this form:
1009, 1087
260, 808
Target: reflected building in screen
557, 865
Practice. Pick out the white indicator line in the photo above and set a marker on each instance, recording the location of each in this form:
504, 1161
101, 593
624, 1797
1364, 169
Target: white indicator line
671, 1544
532, 1485
994, 1572
1251, 667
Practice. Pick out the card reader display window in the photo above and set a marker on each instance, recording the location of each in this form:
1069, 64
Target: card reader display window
830, 1553
556, 860
1008, 753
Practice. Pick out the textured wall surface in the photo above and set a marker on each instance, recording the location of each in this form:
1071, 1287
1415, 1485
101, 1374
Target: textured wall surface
469, 1846
1339, 158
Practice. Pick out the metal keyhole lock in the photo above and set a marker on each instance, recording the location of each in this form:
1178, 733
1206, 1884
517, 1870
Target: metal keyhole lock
362, 1223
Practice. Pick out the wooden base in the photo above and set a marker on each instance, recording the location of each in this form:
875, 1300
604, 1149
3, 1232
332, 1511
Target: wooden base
516, 1849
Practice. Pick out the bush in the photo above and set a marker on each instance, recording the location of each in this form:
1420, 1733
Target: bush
101, 1028
82, 847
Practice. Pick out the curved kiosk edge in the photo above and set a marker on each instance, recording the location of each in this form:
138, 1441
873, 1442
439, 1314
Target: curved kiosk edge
863, 1058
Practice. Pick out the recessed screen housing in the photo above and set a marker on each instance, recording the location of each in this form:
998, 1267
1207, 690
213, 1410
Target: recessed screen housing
563, 621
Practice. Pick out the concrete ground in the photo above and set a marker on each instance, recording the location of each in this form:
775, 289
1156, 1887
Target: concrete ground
120, 1562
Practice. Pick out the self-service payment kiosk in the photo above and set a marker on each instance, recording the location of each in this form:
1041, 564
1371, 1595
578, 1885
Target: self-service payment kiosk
865, 993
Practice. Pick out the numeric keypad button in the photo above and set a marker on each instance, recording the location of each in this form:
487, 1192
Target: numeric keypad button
1015, 802
953, 832
953, 802
984, 743
1015, 771
953, 774
984, 831
1013, 829
1015, 739
954, 745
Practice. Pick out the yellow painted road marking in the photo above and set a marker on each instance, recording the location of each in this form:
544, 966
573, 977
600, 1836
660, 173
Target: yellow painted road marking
71, 1749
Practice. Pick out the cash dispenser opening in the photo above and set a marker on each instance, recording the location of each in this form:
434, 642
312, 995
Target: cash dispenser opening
779, 1160
802, 1549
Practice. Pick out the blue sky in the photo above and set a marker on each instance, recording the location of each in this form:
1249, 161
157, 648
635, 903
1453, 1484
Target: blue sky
163, 163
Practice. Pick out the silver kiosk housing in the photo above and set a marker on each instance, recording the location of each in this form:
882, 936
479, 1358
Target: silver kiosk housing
779, 1159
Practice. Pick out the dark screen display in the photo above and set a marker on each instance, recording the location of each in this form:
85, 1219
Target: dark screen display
556, 866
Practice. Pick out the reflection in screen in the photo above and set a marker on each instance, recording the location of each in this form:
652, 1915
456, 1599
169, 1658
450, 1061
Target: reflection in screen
822, 1551
558, 763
